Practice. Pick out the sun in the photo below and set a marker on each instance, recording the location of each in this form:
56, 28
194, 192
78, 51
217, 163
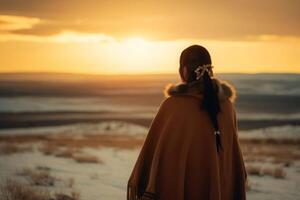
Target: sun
136, 54
135, 41
136, 47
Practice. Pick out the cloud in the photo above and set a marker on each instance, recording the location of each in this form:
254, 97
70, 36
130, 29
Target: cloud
163, 20
63, 37
21, 28
13, 23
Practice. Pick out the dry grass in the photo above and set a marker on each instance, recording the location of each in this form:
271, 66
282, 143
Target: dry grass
254, 158
248, 185
276, 153
86, 158
48, 149
69, 182
68, 146
254, 170
88, 140
267, 171
69, 152
37, 177
66, 153
44, 168
62, 196
11, 148
285, 161
25, 171
14, 190
42, 178
272, 141
94, 176
55, 150
279, 173
258, 170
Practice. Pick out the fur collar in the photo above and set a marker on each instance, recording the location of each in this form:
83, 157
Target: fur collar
225, 89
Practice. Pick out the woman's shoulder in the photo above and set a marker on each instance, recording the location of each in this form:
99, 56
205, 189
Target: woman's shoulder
168, 100
226, 91
173, 102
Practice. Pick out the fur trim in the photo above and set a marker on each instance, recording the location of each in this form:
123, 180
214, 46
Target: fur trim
225, 89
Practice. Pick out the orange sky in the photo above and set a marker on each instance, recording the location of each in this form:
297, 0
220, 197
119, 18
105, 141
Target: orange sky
147, 37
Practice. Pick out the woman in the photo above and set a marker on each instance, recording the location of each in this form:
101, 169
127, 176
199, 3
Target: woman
192, 150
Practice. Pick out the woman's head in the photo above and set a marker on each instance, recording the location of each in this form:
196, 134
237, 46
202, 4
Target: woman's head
195, 65
190, 59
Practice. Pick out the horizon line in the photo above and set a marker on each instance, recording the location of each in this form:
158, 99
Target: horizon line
127, 74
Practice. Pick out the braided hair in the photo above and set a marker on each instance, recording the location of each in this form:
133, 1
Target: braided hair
191, 58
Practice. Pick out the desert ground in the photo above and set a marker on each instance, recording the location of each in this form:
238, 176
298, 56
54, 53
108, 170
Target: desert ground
94, 161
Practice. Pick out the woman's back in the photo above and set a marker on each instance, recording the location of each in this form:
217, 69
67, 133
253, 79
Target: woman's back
189, 165
180, 158
192, 151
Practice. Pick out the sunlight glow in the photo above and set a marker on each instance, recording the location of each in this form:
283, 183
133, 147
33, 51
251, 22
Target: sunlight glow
63, 37
99, 53
11, 23
134, 52
139, 55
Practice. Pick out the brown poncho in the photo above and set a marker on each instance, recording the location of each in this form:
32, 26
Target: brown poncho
179, 160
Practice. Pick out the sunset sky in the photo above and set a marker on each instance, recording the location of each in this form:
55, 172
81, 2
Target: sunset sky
118, 36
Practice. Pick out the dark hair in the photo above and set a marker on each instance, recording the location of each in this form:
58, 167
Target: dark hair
191, 58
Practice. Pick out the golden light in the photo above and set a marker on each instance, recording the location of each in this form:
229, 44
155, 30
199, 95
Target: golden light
11, 23
133, 55
100, 53
136, 52
136, 47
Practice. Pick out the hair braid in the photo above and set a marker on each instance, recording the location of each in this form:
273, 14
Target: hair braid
211, 104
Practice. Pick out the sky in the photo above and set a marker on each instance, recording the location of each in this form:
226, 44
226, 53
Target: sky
121, 36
